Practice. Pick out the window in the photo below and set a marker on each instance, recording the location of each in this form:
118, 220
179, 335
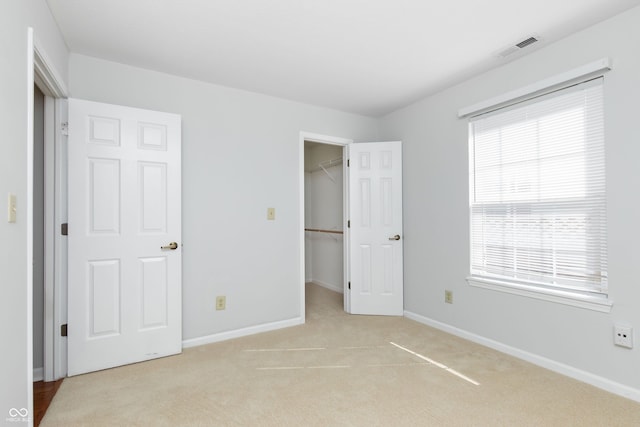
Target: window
537, 194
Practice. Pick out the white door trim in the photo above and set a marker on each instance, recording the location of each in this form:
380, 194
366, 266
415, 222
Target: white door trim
29, 217
323, 139
49, 239
56, 298
45, 76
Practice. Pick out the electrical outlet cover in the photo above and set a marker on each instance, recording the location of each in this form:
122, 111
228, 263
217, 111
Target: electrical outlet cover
623, 336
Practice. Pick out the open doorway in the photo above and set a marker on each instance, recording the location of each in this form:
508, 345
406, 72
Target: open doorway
323, 214
45, 277
46, 198
324, 233
371, 222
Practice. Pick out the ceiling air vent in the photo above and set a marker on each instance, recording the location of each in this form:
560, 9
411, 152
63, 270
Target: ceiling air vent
518, 46
527, 42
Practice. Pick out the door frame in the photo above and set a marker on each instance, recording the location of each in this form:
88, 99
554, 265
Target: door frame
330, 140
43, 74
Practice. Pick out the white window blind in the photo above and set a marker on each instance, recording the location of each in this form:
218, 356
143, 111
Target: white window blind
537, 199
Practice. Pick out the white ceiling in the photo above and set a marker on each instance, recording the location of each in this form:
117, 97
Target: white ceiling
368, 57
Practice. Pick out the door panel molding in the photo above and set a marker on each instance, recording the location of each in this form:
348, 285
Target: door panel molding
124, 296
375, 235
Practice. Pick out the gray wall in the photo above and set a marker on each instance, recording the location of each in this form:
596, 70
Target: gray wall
240, 154
38, 230
436, 222
15, 261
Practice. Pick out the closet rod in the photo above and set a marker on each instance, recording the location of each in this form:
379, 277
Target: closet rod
318, 230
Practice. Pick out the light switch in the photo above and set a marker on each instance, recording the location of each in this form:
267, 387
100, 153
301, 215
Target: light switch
271, 213
11, 208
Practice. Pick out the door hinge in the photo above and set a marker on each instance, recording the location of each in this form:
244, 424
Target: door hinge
349, 223
64, 229
63, 330
64, 128
349, 285
348, 162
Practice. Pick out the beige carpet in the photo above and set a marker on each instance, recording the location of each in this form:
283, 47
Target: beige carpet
337, 370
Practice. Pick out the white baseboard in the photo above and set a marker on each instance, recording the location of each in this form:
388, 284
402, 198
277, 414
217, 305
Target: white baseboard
552, 365
38, 374
330, 286
251, 330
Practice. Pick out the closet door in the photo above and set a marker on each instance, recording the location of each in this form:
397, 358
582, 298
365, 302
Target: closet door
375, 232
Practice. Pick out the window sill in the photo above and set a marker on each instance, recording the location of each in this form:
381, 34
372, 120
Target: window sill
589, 302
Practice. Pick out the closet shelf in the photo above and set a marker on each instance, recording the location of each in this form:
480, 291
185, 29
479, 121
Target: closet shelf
320, 230
327, 164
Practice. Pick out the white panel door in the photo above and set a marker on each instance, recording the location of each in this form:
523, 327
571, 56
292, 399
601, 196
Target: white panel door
125, 291
375, 232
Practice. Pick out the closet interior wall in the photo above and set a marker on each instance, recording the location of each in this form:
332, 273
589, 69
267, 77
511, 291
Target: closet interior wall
324, 211
38, 234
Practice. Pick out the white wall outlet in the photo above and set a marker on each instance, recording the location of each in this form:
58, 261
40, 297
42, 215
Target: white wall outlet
623, 336
271, 213
221, 302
